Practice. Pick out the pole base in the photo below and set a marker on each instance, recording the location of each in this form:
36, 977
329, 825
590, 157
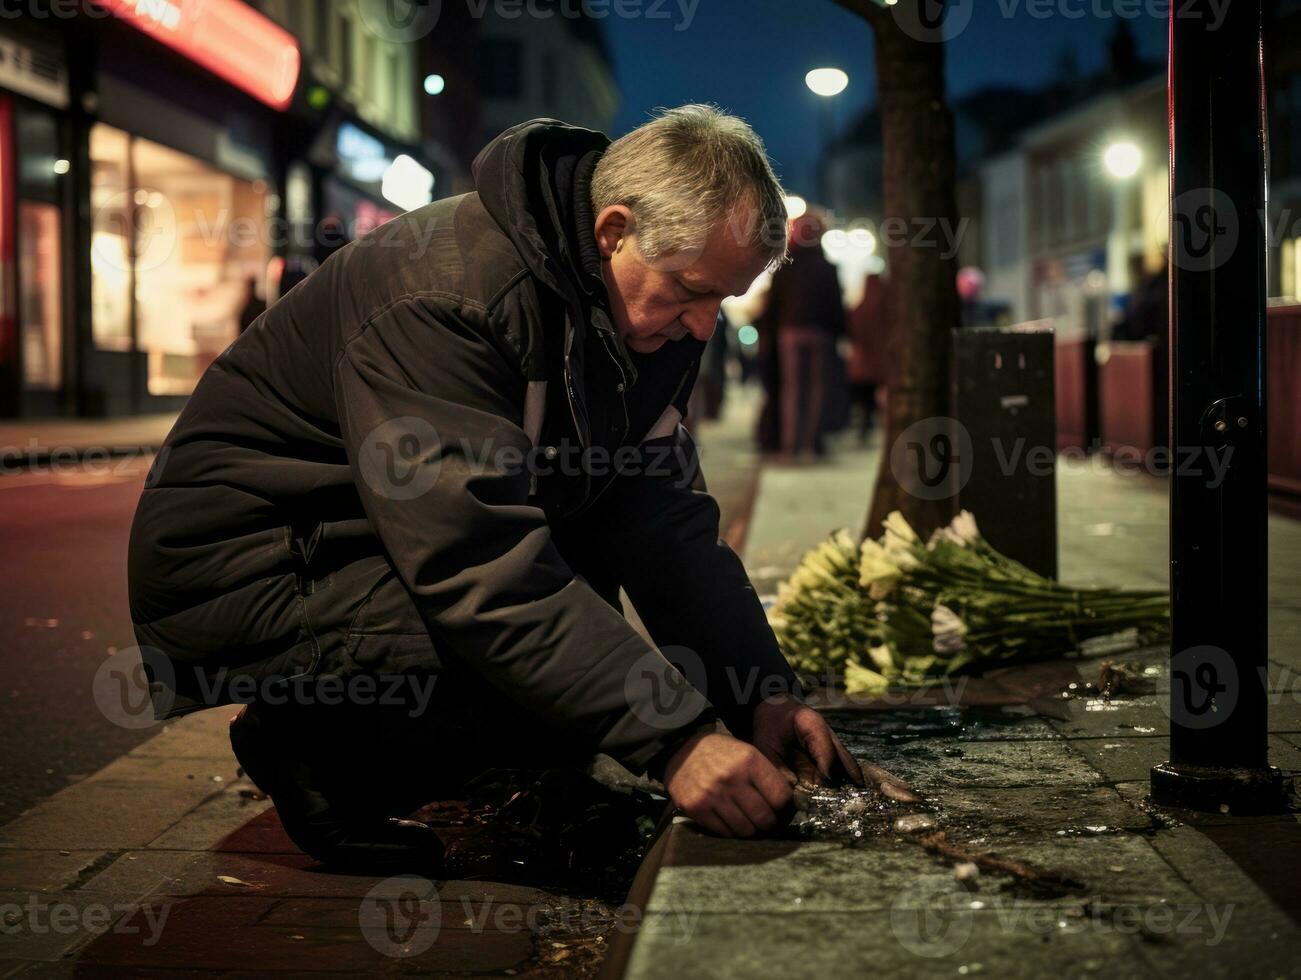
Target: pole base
1240, 792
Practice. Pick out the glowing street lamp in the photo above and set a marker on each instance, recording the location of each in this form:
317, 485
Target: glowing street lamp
1122, 160
826, 81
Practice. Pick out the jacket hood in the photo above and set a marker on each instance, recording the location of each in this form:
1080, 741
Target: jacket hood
535, 181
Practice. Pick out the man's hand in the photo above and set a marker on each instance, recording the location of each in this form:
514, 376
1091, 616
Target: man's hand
803, 746
726, 786
791, 734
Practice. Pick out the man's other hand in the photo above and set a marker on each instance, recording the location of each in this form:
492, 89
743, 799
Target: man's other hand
791, 735
726, 785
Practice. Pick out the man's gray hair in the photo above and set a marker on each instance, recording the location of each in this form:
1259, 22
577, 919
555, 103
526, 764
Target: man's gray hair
686, 170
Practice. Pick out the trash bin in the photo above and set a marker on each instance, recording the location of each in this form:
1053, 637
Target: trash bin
1003, 397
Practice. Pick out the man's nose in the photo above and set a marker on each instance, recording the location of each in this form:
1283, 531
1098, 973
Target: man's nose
700, 320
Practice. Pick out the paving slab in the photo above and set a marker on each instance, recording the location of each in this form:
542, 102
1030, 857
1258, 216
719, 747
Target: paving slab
220, 818
47, 870
906, 942
48, 925
1124, 759
936, 766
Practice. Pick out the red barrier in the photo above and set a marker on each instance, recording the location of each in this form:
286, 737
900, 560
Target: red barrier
1283, 399
1075, 384
1131, 416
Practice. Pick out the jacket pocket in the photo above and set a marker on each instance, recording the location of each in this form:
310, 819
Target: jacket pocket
387, 634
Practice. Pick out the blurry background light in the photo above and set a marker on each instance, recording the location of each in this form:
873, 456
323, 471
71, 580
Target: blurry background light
826, 81
61, 166
863, 239
434, 84
795, 206
836, 240
1122, 159
318, 96
747, 335
407, 184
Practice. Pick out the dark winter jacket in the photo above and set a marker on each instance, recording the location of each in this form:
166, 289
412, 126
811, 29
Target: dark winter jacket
371, 423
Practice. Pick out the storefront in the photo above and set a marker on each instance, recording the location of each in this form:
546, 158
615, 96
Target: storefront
351, 180
140, 200
35, 216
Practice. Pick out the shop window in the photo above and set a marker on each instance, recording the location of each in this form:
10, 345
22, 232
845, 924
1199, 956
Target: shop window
40, 294
110, 241
199, 240
322, 32
175, 246
38, 152
345, 50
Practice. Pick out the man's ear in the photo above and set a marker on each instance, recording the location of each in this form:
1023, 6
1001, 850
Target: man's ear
613, 225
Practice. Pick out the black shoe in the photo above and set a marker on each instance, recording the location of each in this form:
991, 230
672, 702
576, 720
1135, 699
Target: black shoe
334, 829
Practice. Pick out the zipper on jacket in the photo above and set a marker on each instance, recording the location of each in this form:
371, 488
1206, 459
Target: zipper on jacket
623, 388
578, 431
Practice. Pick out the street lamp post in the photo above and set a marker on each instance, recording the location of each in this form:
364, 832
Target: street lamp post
1121, 160
826, 83
1218, 572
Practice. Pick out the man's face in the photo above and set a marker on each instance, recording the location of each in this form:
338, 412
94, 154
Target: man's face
654, 303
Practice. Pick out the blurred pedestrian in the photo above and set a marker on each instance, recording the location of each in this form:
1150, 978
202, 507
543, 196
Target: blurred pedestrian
767, 366
805, 307
869, 327
253, 306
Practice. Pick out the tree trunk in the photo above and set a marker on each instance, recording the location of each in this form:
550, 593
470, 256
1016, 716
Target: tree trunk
920, 202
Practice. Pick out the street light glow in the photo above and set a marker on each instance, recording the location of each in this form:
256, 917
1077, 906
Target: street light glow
1122, 159
826, 81
862, 239
795, 206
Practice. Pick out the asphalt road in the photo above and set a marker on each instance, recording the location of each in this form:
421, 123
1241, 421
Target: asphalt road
63, 609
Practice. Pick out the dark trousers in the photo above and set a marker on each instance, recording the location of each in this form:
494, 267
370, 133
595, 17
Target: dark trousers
387, 723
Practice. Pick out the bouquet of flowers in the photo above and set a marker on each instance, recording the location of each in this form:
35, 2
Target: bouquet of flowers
901, 610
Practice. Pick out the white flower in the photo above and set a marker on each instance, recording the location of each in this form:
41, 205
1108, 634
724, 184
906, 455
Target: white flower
861, 680
876, 571
948, 630
844, 541
961, 531
880, 657
899, 540
964, 527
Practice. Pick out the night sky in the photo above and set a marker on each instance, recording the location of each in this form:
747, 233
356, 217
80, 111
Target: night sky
750, 56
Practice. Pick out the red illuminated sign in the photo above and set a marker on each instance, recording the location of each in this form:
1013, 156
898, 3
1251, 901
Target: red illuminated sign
227, 37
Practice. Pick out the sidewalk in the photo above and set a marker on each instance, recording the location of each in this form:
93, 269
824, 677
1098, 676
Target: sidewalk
167, 860
24, 442
1164, 894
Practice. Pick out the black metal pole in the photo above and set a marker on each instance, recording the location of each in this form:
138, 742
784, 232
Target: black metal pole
1218, 583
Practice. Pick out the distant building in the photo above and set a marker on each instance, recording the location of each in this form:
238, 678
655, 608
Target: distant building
1091, 234
554, 63
143, 162
353, 135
